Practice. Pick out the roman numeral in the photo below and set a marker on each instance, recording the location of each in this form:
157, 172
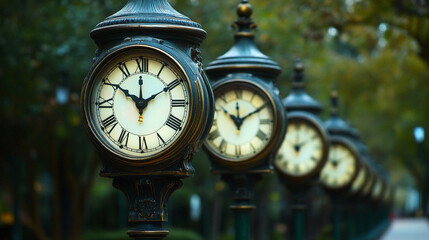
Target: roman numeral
178, 103
109, 121
173, 84
213, 135
142, 64
142, 140
108, 101
160, 140
160, 70
238, 150
124, 69
124, 136
173, 122
314, 159
107, 82
223, 98
253, 147
238, 93
261, 135
265, 121
222, 146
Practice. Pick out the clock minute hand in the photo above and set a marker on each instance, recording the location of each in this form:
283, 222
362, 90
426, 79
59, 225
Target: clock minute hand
233, 118
256, 111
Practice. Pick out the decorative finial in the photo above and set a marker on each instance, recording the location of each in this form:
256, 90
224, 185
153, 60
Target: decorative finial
244, 23
334, 103
298, 75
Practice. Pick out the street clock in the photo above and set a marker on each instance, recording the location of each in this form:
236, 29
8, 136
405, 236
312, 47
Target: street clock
304, 150
147, 105
249, 117
361, 178
343, 165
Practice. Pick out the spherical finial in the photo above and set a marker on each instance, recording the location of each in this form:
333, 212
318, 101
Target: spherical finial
244, 9
334, 102
299, 67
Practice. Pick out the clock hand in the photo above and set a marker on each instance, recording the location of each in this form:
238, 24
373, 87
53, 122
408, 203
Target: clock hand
234, 118
256, 111
127, 93
140, 97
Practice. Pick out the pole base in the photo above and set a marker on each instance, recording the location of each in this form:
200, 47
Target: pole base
149, 234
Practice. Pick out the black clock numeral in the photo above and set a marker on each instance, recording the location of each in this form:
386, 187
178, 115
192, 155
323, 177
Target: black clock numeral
124, 69
178, 103
173, 122
106, 81
142, 140
314, 158
222, 146
109, 121
124, 137
265, 121
223, 98
160, 140
253, 148
238, 150
238, 93
173, 84
296, 169
160, 70
142, 64
253, 96
213, 135
261, 135
108, 101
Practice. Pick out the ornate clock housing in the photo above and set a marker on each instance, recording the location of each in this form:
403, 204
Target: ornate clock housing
246, 120
304, 148
139, 101
147, 105
361, 179
249, 117
342, 167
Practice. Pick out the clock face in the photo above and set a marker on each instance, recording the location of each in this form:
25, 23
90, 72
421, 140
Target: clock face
302, 150
340, 167
139, 103
359, 181
243, 122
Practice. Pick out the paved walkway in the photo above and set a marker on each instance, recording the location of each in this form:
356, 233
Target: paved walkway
408, 229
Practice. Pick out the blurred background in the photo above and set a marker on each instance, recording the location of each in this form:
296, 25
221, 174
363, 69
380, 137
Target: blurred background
374, 52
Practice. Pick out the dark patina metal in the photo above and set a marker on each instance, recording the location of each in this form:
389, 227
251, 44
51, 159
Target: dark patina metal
148, 183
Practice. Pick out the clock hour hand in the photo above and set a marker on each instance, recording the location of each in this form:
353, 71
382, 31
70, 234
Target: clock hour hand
126, 92
233, 118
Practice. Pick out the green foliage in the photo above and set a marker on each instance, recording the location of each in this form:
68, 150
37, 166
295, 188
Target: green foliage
382, 77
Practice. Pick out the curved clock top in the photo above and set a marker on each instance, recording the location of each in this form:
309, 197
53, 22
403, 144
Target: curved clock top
244, 56
148, 17
335, 125
298, 99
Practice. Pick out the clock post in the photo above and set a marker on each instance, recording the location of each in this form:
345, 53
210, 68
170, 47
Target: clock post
249, 123
299, 169
146, 105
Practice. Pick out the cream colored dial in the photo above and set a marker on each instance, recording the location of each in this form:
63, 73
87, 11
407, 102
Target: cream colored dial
140, 103
243, 123
340, 167
359, 181
301, 151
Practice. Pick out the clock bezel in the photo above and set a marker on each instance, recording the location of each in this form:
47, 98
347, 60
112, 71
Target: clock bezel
252, 161
306, 118
357, 162
175, 148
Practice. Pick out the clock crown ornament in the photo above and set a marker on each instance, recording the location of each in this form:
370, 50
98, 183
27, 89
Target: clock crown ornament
147, 17
147, 105
244, 56
298, 99
335, 125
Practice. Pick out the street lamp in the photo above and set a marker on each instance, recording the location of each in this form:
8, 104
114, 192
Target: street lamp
419, 134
